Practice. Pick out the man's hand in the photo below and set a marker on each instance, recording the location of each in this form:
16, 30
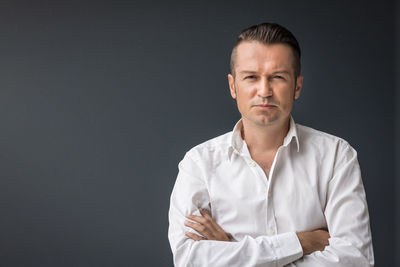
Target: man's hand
313, 241
207, 227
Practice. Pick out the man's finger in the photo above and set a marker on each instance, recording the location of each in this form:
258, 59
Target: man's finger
208, 218
208, 223
194, 236
205, 214
207, 227
196, 218
201, 229
211, 221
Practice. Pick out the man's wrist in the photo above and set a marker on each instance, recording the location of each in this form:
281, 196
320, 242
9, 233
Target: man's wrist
301, 241
288, 247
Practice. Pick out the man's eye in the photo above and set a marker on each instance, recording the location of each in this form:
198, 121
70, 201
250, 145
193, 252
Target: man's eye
250, 77
278, 77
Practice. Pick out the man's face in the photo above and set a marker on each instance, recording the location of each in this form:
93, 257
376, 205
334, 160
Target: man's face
264, 85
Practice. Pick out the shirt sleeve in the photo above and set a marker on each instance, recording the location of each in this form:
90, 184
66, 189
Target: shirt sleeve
190, 193
347, 217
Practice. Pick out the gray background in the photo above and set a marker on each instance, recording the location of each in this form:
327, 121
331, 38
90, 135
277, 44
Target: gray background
99, 101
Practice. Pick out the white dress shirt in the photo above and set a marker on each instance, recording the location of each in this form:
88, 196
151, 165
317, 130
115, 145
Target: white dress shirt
314, 182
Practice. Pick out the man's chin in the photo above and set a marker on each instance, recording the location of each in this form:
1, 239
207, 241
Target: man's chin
266, 121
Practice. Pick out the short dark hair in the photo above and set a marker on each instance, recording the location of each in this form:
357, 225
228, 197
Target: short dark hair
269, 33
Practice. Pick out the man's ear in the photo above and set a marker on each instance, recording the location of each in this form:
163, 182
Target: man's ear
231, 81
299, 85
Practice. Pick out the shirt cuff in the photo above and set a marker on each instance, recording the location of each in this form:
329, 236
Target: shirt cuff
287, 248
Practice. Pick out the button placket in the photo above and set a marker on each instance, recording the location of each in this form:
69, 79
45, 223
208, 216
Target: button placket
272, 228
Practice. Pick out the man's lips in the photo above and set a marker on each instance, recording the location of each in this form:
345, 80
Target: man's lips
265, 106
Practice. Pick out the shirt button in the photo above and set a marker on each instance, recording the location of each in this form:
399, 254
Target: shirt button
269, 194
272, 231
252, 164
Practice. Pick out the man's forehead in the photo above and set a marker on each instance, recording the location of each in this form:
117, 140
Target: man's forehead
251, 55
250, 49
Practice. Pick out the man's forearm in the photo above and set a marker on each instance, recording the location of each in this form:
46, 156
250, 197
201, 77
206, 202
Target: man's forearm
313, 241
209, 230
277, 250
339, 253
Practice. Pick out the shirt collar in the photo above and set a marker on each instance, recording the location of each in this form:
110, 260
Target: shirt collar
292, 133
237, 143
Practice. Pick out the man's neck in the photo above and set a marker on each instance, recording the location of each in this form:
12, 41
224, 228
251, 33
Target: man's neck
265, 139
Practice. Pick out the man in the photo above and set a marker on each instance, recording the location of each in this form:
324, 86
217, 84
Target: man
271, 192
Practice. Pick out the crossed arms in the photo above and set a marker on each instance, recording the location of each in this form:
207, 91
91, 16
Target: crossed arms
197, 240
310, 241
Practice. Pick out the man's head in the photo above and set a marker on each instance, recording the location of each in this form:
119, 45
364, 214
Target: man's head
268, 33
265, 76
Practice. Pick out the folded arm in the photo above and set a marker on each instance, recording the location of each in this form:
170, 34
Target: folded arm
347, 217
189, 195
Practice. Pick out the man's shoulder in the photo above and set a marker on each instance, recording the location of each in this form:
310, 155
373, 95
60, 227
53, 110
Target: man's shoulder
316, 138
218, 145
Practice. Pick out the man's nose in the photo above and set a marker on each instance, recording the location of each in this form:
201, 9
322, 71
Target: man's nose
265, 89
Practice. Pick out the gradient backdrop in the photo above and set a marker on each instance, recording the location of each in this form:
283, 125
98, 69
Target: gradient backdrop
99, 101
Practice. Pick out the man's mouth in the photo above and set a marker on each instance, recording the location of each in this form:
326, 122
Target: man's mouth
266, 106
